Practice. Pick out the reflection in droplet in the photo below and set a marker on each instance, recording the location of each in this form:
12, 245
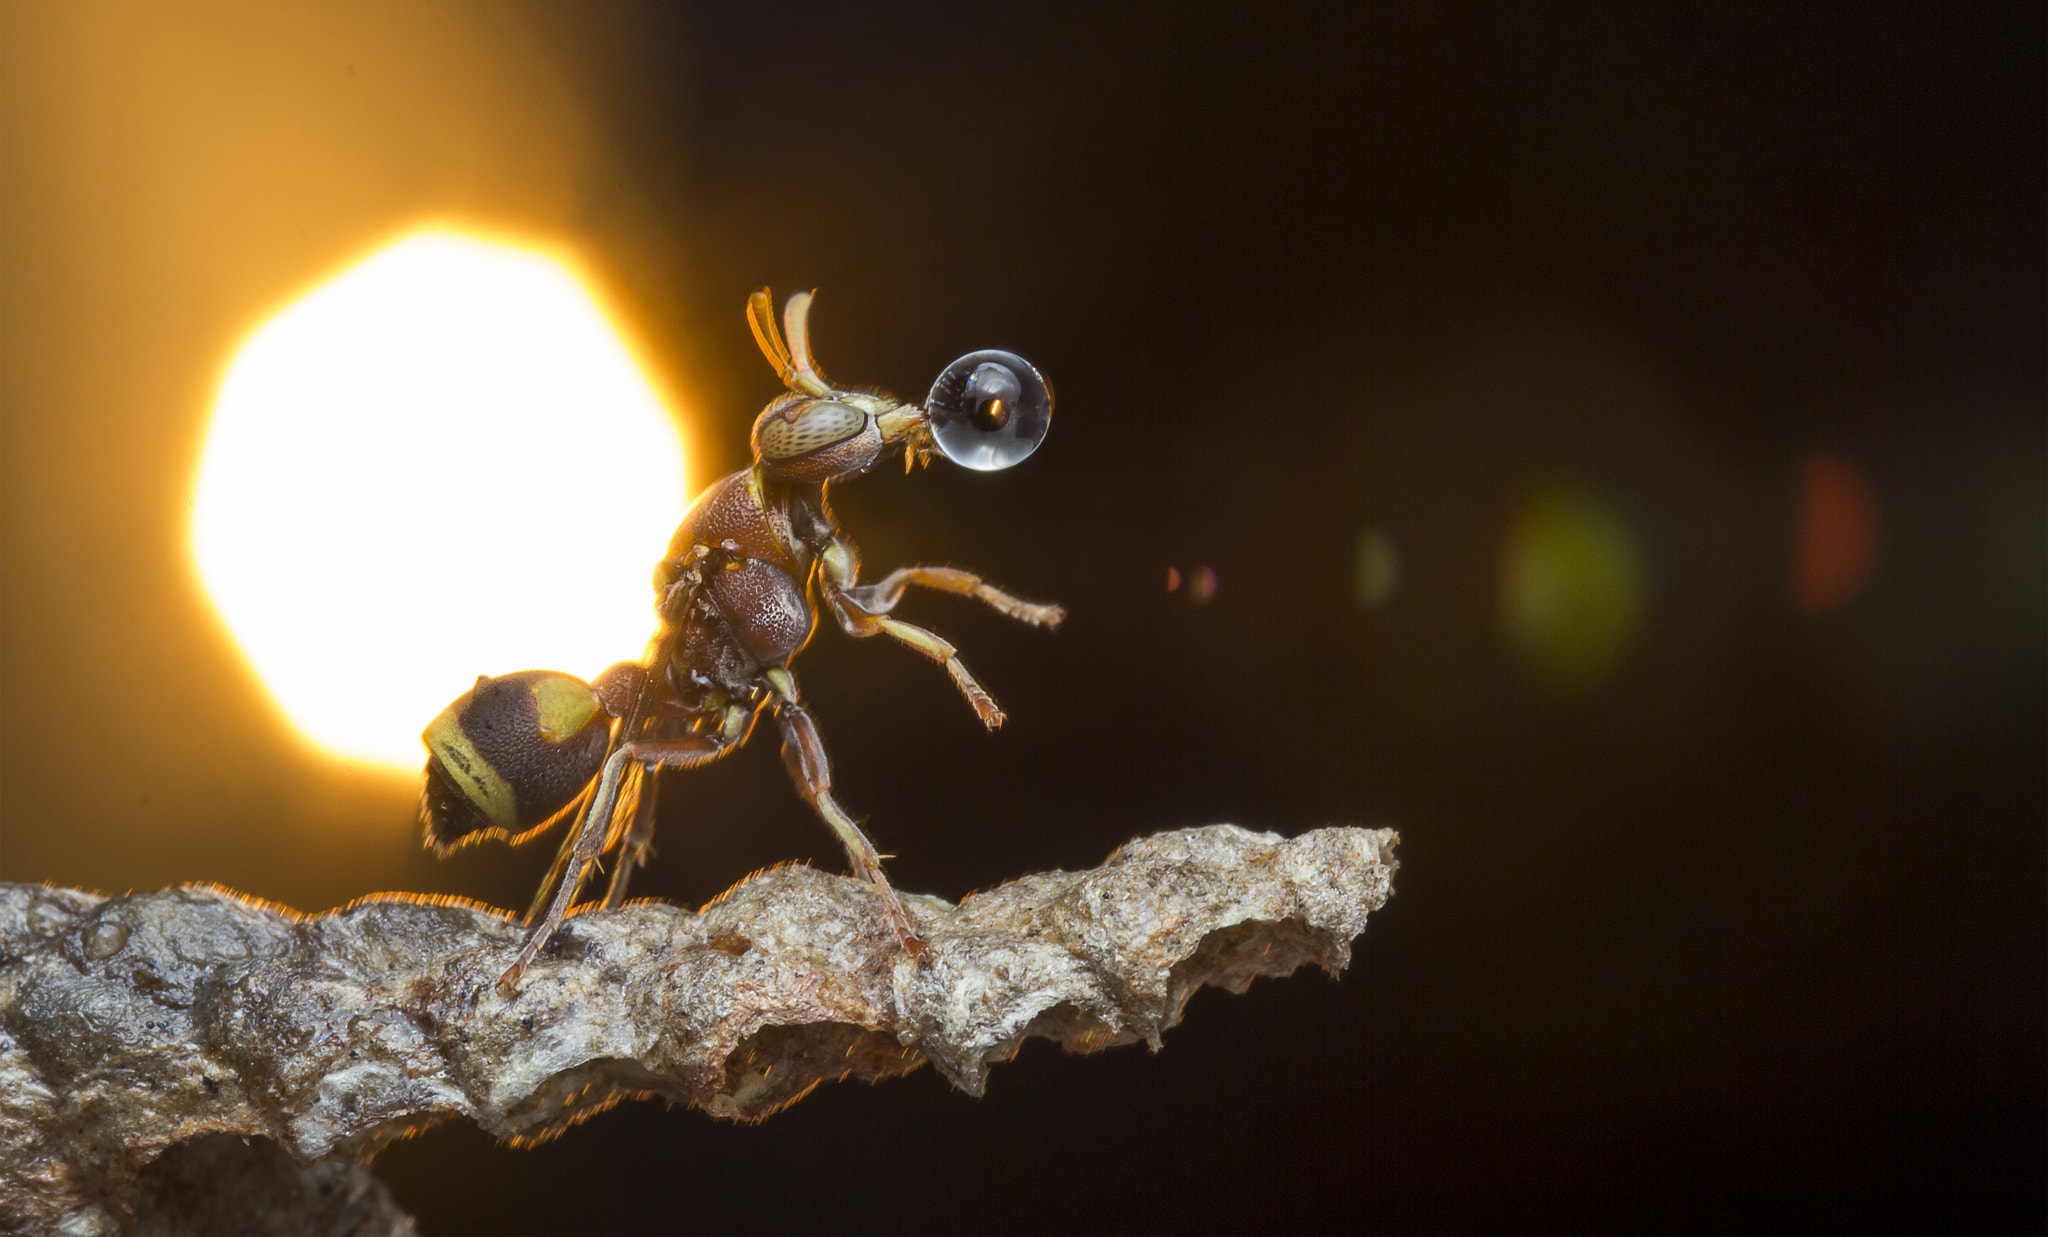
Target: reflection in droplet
1378, 570
1572, 590
1172, 579
1838, 536
989, 410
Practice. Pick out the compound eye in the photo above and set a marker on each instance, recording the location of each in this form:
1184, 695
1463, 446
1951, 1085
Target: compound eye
989, 410
815, 426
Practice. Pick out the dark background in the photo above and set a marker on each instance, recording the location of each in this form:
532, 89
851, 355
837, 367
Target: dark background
1745, 932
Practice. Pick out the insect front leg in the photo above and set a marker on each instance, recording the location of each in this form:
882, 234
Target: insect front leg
594, 827
882, 596
840, 574
803, 753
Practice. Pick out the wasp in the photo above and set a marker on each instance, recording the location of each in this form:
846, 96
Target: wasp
737, 597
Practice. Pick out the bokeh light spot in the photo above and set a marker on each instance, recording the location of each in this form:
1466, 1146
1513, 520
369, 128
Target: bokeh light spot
1377, 572
444, 462
1201, 582
1572, 592
1838, 536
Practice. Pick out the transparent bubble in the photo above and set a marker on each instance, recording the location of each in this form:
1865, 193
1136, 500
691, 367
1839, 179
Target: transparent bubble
989, 410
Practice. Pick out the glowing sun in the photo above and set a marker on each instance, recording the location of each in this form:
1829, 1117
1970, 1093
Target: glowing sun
444, 462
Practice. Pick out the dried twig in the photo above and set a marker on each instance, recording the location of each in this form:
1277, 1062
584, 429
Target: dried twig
144, 1040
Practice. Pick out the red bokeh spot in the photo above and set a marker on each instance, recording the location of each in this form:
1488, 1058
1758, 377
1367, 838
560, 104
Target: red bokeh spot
1839, 533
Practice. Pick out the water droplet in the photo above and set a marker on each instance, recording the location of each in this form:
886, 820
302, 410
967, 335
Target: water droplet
989, 410
105, 939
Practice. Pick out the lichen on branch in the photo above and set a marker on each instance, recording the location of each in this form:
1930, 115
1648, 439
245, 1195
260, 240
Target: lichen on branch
136, 1024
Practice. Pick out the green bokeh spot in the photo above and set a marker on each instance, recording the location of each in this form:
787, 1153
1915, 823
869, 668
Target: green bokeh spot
1571, 587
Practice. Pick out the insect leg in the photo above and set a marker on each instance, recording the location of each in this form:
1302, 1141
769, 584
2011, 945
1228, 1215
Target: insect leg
882, 596
561, 861
624, 691
638, 843
803, 752
594, 829
839, 574
859, 622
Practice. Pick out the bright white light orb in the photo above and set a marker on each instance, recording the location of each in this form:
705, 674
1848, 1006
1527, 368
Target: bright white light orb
442, 463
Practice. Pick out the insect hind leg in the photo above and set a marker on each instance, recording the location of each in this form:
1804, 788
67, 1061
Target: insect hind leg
636, 845
594, 829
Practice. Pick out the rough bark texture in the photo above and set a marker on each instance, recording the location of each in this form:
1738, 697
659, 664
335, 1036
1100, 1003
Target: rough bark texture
190, 1060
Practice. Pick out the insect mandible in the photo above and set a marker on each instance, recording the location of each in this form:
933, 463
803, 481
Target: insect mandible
736, 600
